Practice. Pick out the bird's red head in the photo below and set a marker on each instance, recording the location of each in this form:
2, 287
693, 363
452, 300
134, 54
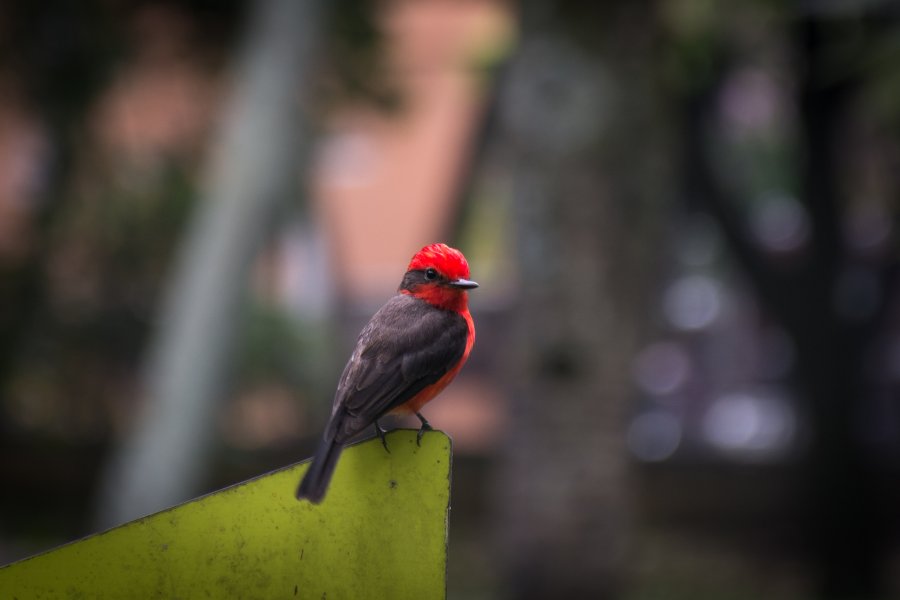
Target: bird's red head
448, 261
439, 275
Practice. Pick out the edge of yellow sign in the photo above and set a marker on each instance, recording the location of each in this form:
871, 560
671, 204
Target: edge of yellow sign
381, 532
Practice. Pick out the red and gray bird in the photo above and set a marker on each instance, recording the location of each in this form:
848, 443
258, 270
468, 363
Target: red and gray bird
407, 354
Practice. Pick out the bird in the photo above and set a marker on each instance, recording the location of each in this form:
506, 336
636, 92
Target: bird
410, 350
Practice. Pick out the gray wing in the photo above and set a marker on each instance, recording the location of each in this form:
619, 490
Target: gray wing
406, 346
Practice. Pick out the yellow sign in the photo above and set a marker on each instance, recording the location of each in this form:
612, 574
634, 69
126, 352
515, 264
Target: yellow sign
381, 532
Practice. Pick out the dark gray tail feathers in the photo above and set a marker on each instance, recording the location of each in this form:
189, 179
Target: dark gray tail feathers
315, 482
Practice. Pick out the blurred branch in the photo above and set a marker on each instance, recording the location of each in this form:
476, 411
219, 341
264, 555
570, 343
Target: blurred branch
704, 186
251, 171
479, 147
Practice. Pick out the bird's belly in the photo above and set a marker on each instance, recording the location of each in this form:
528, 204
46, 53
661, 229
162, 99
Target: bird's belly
414, 404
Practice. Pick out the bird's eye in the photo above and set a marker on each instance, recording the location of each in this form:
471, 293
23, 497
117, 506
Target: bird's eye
431, 274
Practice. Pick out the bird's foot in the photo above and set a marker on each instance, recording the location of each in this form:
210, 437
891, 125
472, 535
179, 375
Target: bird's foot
426, 426
380, 433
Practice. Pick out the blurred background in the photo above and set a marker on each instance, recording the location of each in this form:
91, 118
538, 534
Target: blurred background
681, 213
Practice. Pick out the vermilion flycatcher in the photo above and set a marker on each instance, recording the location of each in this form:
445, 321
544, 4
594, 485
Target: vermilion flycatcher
410, 350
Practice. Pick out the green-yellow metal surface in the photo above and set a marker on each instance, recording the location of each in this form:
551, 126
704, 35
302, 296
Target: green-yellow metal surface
381, 532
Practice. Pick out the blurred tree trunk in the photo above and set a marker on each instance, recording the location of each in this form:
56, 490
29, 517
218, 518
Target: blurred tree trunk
586, 131
252, 172
846, 525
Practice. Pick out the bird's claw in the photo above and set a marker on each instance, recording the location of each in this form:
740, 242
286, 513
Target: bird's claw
426, 426
380, 433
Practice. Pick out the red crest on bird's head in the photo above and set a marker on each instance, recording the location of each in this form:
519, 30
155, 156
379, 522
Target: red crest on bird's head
439, 275
450, 262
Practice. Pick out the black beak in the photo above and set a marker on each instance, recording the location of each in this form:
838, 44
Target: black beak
463, 284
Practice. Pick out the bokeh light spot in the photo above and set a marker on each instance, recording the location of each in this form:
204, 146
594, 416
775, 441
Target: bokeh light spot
661, 368
693, 302
750, 424
654, 436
